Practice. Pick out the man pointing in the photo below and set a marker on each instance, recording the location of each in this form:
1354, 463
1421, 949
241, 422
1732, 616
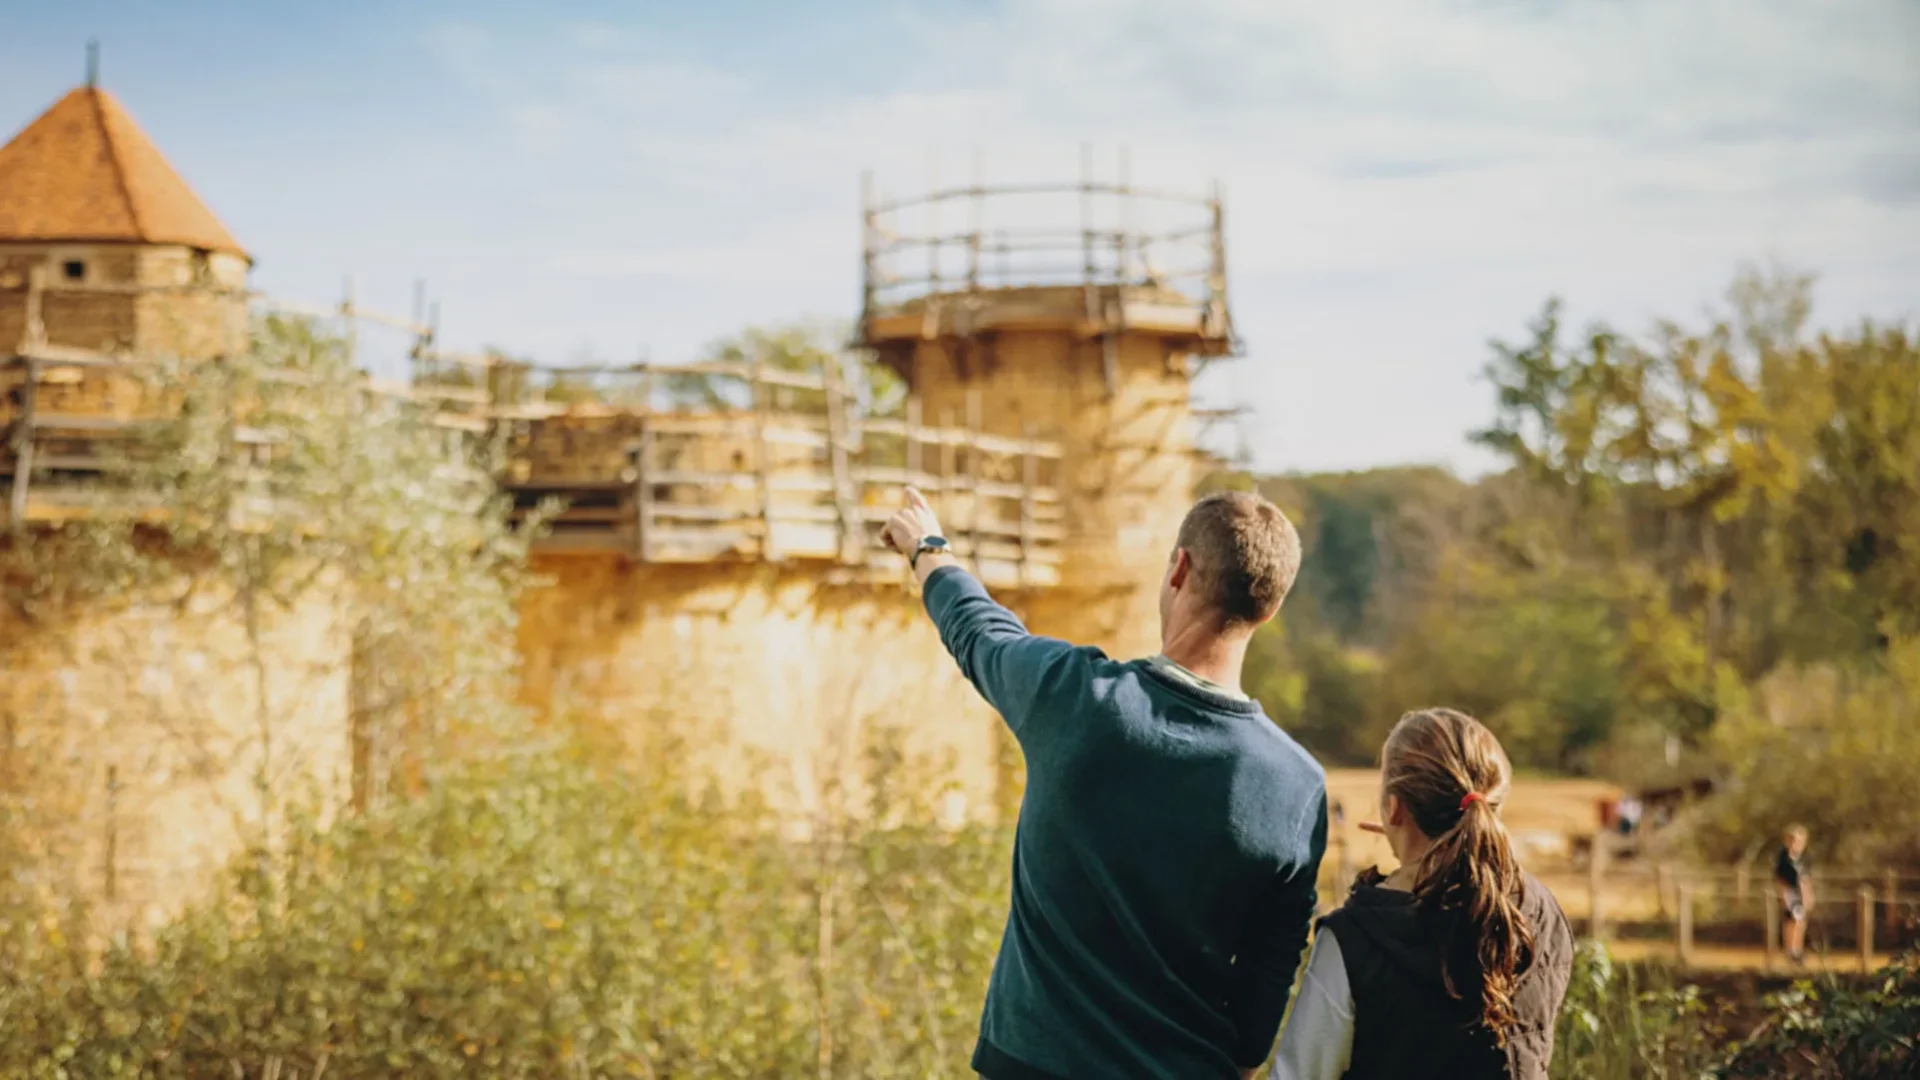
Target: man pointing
1170, 835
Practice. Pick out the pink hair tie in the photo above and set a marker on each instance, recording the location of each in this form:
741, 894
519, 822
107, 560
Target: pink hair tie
1469, 799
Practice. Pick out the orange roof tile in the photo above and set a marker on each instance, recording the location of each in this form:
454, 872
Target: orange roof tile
84, 171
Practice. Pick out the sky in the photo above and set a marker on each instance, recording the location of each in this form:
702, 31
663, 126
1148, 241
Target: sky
1405, 180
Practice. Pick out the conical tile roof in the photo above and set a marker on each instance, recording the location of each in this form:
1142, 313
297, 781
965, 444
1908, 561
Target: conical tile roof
84, 171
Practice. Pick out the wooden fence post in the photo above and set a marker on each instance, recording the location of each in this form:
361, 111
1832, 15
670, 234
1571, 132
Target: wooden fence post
1865, 930
915, 433
1596, 869
1684, 925
1772, 909
1742, 883
846, 510
763, 457
642, 474
23, 446
1889, 902
975, 422
112, 860
1029, 479
1663, 885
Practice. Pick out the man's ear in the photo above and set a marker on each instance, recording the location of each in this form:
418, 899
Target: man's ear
1182, 566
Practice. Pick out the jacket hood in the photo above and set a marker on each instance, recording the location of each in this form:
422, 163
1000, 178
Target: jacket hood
1416, 945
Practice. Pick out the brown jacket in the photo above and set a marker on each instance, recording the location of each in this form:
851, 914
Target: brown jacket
1407, 1026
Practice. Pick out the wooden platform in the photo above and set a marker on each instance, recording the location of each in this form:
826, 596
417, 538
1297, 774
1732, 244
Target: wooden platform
792, 474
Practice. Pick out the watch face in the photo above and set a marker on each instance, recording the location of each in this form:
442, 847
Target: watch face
934, 543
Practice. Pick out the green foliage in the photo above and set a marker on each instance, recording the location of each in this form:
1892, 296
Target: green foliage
1832, 748
1839, 1031
277, 482
1561, 657
1370, 539
1632, 1021
1684, 512
801, 347
535, 915
1623, 1021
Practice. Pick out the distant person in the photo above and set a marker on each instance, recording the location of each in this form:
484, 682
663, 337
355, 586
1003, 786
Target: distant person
1796, 891
1629, 816
1455, 965
1170, 835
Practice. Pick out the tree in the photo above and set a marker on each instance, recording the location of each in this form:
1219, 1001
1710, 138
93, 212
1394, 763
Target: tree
799, 348
281, 556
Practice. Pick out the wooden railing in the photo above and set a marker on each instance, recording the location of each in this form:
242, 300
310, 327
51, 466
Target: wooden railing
657, 463
1130, 246
766, 464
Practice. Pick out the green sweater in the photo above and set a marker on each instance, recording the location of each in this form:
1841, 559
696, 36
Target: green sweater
1164, 866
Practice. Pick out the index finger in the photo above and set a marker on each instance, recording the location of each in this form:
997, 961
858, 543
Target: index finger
915, 500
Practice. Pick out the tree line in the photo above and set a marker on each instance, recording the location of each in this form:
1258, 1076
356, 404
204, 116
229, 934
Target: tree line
1699, 556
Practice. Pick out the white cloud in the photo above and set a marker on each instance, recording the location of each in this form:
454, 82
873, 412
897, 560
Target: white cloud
1427, 172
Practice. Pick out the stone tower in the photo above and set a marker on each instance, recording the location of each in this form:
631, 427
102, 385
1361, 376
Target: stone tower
105, 254
1089, 337
127, 259
124, 748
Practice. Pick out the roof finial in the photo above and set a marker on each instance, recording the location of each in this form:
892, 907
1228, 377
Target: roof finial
93, 63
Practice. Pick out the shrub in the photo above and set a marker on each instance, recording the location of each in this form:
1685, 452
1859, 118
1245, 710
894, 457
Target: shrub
1625, 1021
533, 916
1830, 748
1838, 1031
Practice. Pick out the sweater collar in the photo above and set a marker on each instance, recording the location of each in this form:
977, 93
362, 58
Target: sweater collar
1205, 689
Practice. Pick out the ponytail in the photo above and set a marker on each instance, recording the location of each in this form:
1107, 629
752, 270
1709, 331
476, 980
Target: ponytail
1450, 773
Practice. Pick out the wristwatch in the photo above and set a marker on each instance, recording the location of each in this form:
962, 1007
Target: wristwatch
927, 543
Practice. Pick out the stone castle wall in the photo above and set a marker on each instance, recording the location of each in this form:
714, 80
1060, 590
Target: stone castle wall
135, 739
134, 748
786, 680
1128, 465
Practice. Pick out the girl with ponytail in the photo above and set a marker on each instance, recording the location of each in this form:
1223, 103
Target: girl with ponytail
1455, 964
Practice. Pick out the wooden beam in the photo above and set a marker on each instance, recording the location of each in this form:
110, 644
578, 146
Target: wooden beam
81, 422
23, 445
643, 478
1029, 479
63, 356
914, 435
756, 372
973, 468
763, 459
846, 507
988, 443
672, 511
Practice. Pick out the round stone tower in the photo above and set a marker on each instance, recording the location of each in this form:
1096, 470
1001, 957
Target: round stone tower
103, 247
106, 257
1089, 336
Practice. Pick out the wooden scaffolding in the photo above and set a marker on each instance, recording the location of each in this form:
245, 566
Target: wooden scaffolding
654, 463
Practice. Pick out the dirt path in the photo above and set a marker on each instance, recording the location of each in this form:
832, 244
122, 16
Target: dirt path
1737, 958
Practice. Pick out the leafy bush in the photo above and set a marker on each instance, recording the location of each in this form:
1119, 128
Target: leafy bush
534, 916
1637, 1020
1625, 1021
1840, 1032
1831, 748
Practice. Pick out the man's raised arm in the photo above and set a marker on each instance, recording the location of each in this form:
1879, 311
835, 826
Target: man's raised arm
1008, 665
